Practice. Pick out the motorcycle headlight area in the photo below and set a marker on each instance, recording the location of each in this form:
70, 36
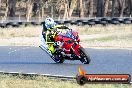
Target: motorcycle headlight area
70, 41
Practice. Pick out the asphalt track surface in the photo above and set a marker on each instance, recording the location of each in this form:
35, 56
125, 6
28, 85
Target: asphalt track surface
26, 59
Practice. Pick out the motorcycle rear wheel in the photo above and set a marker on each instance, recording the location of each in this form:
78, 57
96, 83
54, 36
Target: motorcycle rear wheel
58, 58
85, 58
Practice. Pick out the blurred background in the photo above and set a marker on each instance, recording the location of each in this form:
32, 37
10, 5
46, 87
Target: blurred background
27, 10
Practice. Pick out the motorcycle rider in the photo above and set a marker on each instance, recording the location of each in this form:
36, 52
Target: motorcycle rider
48, 25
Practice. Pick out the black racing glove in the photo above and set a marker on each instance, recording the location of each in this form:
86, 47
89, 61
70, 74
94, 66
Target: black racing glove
63, 27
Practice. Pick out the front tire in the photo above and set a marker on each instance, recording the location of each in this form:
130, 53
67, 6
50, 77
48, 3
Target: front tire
85, 58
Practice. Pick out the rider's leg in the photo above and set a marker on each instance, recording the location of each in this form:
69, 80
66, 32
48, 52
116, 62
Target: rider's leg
42, 41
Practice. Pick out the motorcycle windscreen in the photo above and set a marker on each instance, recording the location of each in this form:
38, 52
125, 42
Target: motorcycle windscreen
69, 34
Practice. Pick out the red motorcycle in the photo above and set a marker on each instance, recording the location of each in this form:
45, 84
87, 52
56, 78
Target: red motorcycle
65, 46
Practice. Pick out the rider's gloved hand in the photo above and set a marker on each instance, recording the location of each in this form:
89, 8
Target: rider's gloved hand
63, 27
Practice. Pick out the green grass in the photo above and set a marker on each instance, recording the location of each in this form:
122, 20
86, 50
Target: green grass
99, 29
19, 81
30, 31
127, 36
34, 31
112, 35
109, 38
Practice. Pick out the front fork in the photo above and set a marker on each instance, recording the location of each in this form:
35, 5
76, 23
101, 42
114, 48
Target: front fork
75, 49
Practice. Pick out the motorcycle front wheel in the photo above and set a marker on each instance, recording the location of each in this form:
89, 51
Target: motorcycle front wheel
85, 58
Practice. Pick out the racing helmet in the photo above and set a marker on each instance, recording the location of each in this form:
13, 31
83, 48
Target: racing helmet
49, 23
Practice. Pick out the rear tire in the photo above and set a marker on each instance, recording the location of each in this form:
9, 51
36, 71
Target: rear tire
85, 58
58, 58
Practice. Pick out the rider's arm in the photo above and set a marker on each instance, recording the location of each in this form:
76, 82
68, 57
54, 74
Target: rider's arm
44, 30
61, 27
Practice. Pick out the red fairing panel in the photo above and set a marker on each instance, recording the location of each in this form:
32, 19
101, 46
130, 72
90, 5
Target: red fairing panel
76, 50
